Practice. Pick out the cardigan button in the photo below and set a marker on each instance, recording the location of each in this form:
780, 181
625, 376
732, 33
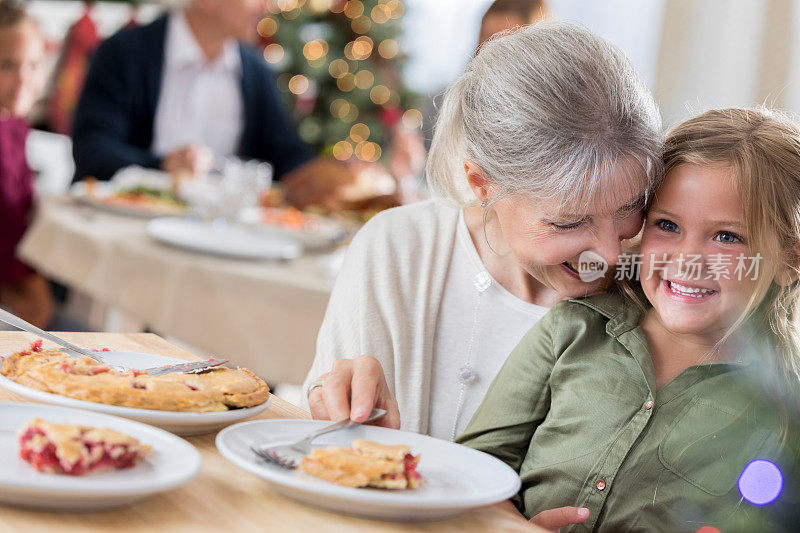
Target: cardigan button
601, 484
648, 405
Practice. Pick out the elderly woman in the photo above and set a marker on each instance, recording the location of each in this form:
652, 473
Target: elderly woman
544, 149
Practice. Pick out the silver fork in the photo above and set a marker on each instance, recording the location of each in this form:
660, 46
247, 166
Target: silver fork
289, 455
194, 366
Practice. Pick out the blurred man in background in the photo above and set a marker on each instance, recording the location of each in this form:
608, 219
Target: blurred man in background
181, 91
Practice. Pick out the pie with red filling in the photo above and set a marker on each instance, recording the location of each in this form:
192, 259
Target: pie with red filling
77, 450
365, 464
82, 378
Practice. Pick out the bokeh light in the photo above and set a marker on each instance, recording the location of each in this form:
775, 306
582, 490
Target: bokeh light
274, 53
380, 94
359, 49
380, 14
342, 150
388, 48
359, 132
353, 9
412, 119
346, 83
267, 27
761, 482
364, 79
319, 6
338, 68
368, 151
361, 24
298, 84
340, 108
316, 49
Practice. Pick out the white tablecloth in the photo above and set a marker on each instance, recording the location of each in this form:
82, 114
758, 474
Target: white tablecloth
263, 315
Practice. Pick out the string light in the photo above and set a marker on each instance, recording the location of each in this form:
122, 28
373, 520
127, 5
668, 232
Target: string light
298, 84
359, 132
274, 53
380, 94
364, 79
412, 119
267, 27
342, 150
388, 48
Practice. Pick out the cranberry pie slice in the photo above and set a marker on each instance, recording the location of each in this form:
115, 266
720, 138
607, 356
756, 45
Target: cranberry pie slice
77, 450
366, 464
82, 378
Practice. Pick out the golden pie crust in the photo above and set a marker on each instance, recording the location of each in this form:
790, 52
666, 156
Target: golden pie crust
219, 389
366, 464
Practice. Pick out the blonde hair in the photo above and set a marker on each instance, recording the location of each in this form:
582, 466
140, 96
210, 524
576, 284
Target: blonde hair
546, 110
762, 149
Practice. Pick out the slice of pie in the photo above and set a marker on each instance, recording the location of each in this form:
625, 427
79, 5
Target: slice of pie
366, 464
82, 378
77, 450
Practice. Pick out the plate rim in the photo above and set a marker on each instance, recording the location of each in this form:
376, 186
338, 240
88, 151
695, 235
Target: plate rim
296, 251
122, 490
335, 491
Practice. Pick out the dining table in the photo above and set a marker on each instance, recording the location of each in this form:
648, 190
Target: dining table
262, 314
223, 497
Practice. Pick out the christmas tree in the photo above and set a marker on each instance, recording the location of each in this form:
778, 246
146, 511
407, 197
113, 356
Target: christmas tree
339, 63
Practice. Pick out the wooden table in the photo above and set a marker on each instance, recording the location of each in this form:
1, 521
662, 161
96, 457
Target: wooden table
222, 498
263, 315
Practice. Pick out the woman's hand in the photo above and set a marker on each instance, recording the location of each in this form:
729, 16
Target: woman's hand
351, 389
553, 519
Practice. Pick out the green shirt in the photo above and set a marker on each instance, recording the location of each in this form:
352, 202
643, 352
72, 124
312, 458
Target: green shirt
576, 412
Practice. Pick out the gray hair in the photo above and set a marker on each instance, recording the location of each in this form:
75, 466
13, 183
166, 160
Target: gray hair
546, 110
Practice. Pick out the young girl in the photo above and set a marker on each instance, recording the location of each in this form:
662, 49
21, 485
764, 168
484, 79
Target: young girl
645, 414
22, 290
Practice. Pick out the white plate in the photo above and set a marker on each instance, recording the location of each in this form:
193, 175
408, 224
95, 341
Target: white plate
320, 232
457, 478
173, 462
180, 423
226, 240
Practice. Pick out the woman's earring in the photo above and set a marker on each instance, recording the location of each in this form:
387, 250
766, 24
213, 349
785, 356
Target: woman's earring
484, 204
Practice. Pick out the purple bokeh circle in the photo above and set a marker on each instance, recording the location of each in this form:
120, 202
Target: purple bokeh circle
761, 482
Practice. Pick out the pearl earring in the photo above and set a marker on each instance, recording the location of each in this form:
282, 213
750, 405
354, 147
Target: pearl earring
484, 204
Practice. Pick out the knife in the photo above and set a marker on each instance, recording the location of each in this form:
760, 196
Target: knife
194, 366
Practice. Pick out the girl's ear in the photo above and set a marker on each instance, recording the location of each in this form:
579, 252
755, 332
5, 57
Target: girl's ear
476, 178
790, 271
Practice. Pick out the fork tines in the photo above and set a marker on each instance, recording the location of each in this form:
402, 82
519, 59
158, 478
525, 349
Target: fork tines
271, 456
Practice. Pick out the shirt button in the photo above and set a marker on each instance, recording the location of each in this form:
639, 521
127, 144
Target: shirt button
601, 484
648, 405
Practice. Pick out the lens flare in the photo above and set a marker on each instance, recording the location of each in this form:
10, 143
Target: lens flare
761, 482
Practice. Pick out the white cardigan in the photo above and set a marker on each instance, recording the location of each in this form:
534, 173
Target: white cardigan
386, 301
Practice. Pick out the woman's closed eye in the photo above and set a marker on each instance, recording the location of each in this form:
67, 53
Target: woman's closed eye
566, 226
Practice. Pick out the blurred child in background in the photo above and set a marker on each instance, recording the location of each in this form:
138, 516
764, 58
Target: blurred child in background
22, 290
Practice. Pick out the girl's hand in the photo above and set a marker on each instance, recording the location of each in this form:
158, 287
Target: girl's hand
351, 390
554, 519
